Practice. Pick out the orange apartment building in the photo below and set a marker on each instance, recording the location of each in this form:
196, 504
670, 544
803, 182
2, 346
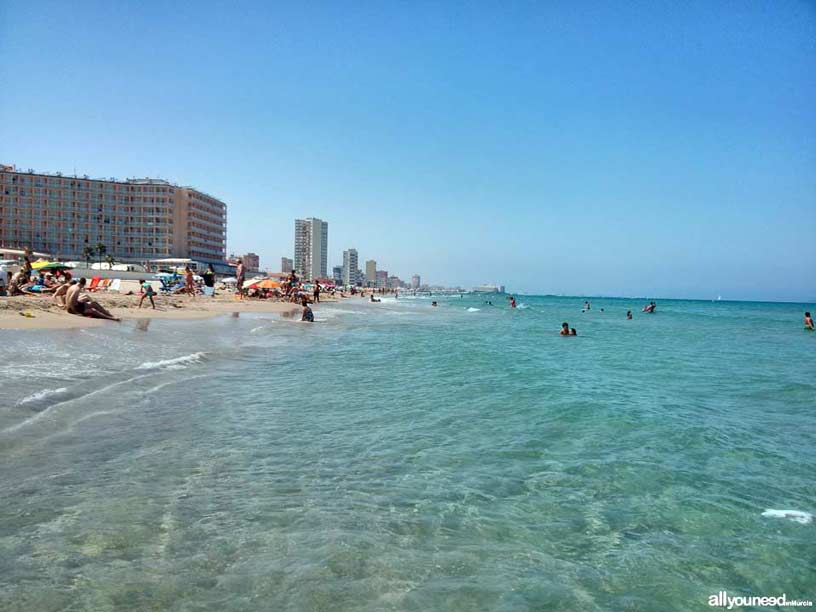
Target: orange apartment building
136, 219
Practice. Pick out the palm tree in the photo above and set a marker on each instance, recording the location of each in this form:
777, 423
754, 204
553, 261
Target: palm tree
87, 253
110, 261
101, 249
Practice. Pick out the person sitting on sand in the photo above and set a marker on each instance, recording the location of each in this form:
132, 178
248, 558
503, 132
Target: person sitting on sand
565, 329
85, 306
808, 321
147, 292
308, 315
60, 293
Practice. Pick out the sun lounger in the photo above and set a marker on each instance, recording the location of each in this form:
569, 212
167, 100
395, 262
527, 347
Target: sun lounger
94, 283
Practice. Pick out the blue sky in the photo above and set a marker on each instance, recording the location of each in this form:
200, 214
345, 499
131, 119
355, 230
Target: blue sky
618, 148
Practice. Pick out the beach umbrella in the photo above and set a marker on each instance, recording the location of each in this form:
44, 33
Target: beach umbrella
257, 279
43, 264
267, 284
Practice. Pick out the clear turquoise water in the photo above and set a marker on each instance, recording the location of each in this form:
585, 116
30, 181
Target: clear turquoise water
400, 457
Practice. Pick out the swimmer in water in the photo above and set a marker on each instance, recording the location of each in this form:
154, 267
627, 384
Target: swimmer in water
586, 305
573, 332
565, 329
629, 314
808, 321
512, 302
434, 304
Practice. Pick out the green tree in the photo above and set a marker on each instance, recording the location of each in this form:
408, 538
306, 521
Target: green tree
101, 249
87, 253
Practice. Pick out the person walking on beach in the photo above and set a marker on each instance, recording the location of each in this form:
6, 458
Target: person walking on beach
316, 292
147, 292
239, 276
808, 321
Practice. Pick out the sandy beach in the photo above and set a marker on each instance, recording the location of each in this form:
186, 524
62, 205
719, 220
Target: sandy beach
34, 312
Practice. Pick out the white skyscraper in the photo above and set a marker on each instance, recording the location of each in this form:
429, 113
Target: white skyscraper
415, 281
311, 248
350, 267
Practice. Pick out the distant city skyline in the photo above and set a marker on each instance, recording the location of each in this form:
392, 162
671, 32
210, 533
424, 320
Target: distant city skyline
641, 149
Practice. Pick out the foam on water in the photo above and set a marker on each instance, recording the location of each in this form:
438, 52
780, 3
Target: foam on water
803, 518
41, 395
174, 363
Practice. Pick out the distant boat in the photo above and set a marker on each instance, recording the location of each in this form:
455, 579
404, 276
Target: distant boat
719, 298
488, 289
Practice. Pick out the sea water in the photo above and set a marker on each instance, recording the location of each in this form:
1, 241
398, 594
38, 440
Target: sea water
399, 456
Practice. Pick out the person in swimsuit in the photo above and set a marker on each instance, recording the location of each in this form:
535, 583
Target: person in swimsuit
573, 332
512, 302
85, 306
239, 276
147, 292
808, 321
308, 315
629, 314
316, 292
189, 282
565, 329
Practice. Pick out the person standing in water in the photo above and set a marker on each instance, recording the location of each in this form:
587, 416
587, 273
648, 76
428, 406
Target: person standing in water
629, 314
808, 321
587, 305
565, 329
512, 302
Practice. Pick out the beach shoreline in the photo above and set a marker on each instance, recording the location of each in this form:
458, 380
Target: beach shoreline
41, 313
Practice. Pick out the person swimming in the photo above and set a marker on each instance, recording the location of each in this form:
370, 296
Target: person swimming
629, 314
565, 329
434, 304
650, 308
512, 302
373, 300
572, 332
808, 321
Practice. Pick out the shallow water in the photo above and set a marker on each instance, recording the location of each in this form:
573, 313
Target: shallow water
396, 456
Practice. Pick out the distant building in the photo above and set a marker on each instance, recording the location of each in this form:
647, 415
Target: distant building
252, 262
416, 281
286, 265
371, 272
135, 220
337, 275
350, 267
311, 247
393, 282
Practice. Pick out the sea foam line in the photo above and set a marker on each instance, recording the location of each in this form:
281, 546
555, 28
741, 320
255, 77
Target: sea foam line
33, 419
172, 363
803, 518
35, 397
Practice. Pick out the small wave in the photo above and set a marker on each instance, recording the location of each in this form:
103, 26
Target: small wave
471, 309
522, 306
803, 518
172, 364
40, 395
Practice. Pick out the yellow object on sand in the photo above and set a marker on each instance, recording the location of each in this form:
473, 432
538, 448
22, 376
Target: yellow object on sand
27, 315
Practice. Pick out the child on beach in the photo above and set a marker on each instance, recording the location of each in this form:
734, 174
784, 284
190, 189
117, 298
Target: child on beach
147, 292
